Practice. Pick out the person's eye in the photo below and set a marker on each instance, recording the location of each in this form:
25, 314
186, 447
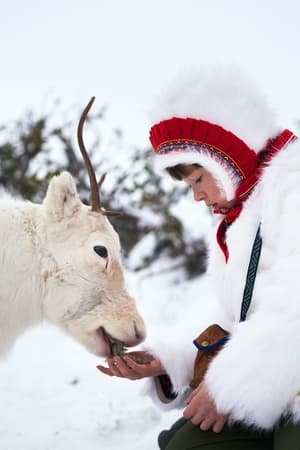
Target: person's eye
199, 179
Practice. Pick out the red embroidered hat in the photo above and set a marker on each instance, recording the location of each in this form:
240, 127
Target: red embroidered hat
193, 141
216, 118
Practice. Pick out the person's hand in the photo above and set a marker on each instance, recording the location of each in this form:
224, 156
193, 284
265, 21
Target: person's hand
202, 411
126, 366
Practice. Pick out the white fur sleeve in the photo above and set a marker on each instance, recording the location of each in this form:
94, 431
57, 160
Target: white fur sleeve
153, 389
256, 377
177, 357
175, 349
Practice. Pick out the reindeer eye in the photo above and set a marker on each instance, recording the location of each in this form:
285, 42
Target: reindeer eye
101, 251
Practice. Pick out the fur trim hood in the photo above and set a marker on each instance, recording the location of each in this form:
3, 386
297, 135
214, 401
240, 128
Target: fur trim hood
256, 377
224, 96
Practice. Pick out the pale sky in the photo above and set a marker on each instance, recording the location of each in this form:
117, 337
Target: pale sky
125, 51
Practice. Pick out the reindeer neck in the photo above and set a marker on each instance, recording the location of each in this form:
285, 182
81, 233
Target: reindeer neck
20, 280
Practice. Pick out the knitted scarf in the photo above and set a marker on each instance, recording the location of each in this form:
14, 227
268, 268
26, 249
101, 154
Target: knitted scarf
246, 187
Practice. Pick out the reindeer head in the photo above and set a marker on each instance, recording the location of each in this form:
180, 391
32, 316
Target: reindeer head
84, 281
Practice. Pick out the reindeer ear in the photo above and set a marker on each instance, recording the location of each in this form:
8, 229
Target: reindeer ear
62, 199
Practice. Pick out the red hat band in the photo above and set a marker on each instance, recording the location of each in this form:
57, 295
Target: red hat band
189, 141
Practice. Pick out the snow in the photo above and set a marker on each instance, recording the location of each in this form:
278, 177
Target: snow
53, 397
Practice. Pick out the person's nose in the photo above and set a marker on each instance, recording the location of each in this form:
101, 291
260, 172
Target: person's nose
198, 195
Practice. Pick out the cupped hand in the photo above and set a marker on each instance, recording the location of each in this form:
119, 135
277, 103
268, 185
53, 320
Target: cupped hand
126, 366
202, 411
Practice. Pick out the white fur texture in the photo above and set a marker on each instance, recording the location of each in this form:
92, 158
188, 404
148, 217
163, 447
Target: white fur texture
256, 377
49, 270
220, 95
226, 183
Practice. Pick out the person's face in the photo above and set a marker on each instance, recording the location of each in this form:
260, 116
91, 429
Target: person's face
205, 189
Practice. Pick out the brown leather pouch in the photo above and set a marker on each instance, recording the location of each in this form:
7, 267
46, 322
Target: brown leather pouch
209, 343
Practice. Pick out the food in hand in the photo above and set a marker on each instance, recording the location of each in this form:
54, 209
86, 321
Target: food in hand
140, 357
116, 347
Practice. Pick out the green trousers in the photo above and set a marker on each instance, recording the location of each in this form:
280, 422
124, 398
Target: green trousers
183, 435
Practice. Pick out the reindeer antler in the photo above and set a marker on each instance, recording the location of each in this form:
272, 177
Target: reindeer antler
95, 186
95, 196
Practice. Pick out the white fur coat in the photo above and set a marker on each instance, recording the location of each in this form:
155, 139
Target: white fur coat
256, 377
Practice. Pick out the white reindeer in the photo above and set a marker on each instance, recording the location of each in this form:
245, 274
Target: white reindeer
60, 261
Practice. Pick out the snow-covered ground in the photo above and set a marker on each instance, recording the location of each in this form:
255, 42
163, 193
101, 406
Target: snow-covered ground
53, 397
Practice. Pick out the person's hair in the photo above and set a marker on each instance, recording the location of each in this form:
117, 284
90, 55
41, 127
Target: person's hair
181, 171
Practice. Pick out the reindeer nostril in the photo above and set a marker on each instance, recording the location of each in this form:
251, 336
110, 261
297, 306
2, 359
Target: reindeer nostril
139, 335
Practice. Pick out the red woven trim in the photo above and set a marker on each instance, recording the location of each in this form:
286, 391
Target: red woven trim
273, 146
244, 190
189, 141
177, 128
200, 143
202, 132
